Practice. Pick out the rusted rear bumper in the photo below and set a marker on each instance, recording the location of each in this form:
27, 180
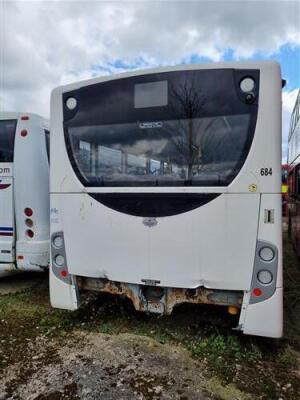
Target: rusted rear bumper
162, 300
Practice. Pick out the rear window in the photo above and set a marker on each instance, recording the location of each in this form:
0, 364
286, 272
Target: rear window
47, 138
7, 140
191, 128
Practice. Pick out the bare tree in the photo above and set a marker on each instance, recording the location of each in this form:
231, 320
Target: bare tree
195, 138
188, 102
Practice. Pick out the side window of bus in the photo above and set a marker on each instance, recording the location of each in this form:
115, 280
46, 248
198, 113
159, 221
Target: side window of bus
7, 140
284, 176
47, 138
291, 181
297, 181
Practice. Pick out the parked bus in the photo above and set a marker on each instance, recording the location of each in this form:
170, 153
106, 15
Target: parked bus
165, 187
24, 193
284, 188
294, 176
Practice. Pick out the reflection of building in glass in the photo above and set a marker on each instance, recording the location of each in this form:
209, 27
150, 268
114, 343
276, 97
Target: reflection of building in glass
109, 160
84, 156
205, 150
294, 134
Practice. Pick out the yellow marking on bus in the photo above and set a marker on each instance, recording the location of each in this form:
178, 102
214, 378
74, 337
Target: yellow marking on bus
252, 187
284, 188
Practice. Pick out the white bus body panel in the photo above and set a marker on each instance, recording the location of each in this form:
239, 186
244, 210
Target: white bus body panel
103, 243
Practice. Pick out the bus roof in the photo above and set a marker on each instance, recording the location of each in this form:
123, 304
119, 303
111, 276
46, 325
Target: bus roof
18, 115
218, 65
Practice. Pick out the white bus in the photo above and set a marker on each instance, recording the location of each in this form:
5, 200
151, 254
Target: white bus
24, 192
165, 187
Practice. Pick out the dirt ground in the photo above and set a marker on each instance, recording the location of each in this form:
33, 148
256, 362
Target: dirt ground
103, 366
19, 282
108, 351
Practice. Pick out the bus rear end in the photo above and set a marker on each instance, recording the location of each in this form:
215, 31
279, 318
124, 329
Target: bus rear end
24, 193
166, 188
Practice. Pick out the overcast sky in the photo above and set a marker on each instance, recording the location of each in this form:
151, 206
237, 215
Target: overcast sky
44, 44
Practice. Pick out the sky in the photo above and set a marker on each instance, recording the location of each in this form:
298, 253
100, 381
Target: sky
44, 44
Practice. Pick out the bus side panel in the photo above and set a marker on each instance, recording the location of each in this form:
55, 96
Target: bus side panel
32, 191
265, 318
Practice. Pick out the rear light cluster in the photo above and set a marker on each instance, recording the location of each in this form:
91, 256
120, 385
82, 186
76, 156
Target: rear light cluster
28, 212
257, 292
24, 132
29, 222
266, 253
58, 258
264, 276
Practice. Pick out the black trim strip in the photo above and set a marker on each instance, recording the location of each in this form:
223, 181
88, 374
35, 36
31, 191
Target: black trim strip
153, 204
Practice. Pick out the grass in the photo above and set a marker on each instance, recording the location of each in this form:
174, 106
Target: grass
259, 367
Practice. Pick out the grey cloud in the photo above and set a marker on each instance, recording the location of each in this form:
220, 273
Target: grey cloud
45, 44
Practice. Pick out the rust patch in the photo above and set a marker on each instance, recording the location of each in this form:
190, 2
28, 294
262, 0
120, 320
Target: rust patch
115, 288
201, 295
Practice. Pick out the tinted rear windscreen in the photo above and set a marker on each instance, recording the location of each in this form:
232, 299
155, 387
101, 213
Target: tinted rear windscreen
7, 140
191, 128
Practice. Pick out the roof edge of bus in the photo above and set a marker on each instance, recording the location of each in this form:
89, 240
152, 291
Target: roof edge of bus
238, 65
19, 114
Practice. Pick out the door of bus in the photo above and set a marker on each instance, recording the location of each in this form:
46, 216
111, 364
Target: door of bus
7, 232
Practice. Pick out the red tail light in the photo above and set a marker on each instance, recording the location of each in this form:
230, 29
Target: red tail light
29, 222
30, 233
28, 212
64, 273
257, 292
24, 133
24, 118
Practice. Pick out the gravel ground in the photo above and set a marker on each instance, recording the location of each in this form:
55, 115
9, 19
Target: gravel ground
110, 367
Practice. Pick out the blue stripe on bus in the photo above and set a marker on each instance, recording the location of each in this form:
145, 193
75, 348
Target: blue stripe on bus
3, 228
